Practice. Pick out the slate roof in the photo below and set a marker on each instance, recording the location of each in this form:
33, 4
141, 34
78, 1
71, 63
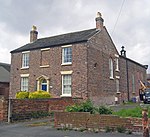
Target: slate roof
144, 66
4, 72
59, 40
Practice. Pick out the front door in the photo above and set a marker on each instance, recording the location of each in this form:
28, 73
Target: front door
44, 85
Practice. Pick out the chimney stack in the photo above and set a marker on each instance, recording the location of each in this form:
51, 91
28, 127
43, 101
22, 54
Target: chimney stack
33, 34
99, 21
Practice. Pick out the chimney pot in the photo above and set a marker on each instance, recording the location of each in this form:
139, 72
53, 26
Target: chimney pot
33, 34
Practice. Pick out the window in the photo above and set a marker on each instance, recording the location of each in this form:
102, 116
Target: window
111, 68
117, 85
133, 84
67, 55
117, 64
24, 84
25, 60
45, 57
66, 85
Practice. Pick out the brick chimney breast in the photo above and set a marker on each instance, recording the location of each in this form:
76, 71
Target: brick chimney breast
99, 21
33, 34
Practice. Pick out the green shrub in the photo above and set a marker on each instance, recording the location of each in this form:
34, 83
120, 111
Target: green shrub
22, 95
39, 94
86, 106
104, 110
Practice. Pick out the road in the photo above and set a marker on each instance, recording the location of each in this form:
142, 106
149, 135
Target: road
24, 129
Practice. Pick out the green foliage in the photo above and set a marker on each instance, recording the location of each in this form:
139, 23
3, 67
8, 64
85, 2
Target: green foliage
104, 110
39, 114
39, 94
86, 106
134, 112
22, 95
32, 95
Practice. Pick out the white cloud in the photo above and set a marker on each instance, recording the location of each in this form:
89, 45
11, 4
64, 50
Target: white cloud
55, 17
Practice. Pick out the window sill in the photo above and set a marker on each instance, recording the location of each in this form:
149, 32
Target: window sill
65, 95
117, 77
25, 68
65, 64
45, 66
117, 70
111, 78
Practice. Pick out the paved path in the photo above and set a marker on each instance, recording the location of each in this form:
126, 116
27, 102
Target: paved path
25, 129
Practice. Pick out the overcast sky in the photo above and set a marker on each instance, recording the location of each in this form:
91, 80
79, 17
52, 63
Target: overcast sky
54, 17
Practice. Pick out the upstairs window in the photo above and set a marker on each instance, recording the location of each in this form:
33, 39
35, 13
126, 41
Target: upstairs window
67, 55
25, 59
45, 57
117, 64
111, 70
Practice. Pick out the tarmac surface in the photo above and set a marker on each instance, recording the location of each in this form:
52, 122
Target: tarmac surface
36, 128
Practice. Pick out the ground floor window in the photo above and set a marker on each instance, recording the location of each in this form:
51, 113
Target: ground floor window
66, 85
117, 85
24, 84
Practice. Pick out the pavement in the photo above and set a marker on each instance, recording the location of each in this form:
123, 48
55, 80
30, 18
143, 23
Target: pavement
38, 128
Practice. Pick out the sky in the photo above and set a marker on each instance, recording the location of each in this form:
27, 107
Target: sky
127, 21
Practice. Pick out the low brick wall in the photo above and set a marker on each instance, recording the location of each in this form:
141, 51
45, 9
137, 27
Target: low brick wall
27, 108
95, 121
21, 109
3, 109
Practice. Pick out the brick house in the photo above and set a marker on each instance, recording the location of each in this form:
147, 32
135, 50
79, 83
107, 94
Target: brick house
82, 64
4, 79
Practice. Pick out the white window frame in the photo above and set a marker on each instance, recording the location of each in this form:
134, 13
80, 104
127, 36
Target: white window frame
117, 86
111, 69
117, 64
63, 56
24, 86
133, 83
66, 94
25, 59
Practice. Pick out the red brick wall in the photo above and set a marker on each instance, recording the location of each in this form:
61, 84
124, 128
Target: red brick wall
53, 72
101, 88
4, 89
95, 121
22, 109
3, 109
135, 70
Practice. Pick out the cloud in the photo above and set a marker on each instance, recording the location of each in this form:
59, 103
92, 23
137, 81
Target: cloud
56, 17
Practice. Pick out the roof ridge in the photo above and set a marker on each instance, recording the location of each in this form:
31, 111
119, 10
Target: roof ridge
67, 33
58, 40
4, 63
